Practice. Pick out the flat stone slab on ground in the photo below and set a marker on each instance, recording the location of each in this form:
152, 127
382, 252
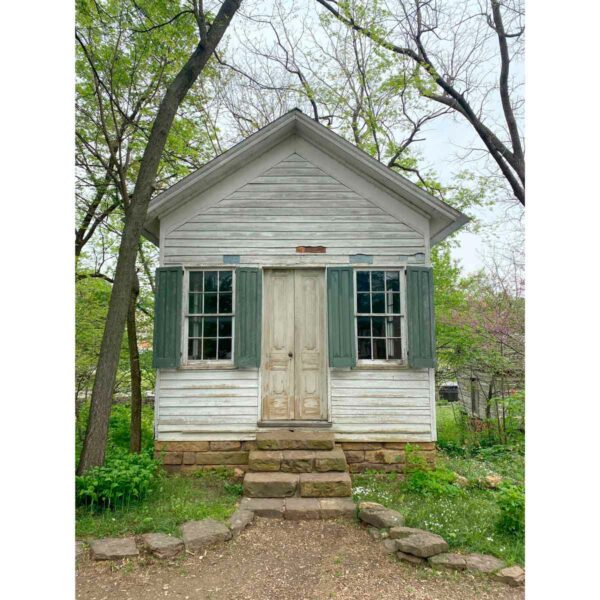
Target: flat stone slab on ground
325, 485
332, 508
299, 509
483, 563
113, 548
514, 576
162, 545
409, 558
239, 520
449, 560
294, 440
270, 485
264, 507
389, 546
397, 533
422, 544
200, 534
382, 518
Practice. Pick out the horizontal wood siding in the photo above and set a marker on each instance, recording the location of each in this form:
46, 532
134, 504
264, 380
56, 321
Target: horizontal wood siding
380, 405
207, 404
292, 204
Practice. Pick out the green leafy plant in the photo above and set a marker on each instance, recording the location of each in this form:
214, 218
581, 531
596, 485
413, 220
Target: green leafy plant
422, 479
511, 501
124, 478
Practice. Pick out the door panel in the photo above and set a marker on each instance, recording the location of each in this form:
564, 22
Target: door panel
310, 391
278, 344
294, 358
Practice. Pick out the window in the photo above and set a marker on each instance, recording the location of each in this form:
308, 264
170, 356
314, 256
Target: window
210, 315
379, 315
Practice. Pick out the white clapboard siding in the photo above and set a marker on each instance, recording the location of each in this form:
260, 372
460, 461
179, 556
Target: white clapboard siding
292, 204
223, 404
381, 405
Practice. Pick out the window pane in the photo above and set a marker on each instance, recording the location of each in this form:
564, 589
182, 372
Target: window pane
363, 304
363, 326
210, 326
362, 281
195, 328
378, 327
392, 281
210, 303
395, 349
393, 327
379, 350
378, 303
196, 281
210, 349
224, 348
225, 303
364, 348
377, 284
210, 281
225, 327
396, 303
195, 303
225, 279
194, 349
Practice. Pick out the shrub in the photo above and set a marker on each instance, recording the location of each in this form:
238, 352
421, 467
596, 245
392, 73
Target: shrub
123, 479
511, 501
422, 479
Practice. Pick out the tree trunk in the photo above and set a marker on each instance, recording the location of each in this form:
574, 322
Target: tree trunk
135, 437
95, 440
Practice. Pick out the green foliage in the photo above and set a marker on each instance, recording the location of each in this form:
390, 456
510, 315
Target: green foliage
511, 501
124, 478
421, 479
172, 500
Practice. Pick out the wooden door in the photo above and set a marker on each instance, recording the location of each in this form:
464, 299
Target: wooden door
294, 359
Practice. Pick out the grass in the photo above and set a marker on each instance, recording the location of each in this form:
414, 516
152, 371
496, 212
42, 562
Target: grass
174, 500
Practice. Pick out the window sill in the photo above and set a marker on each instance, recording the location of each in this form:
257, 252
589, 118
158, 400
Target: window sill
365, 366
207, 366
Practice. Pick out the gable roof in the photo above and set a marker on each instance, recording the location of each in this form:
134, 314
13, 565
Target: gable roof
444, 219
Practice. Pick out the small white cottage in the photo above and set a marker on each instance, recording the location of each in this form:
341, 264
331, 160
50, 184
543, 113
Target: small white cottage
295, 291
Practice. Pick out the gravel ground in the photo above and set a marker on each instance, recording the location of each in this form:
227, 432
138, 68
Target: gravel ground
284, 560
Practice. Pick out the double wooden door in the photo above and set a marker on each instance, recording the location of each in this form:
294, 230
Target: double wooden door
294, 360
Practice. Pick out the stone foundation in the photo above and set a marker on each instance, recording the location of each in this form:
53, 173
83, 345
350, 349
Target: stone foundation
188, 457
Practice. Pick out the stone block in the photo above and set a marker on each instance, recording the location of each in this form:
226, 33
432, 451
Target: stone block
389, 546
384, 456
270, 485
113, 548
264, 460
513, 576
297, 461
172, 458
422, 544
334, 460
381, 518
354, 456
332, 508
162, 545
361, 445
325, 485
239, 520
182, 446
397, 533
294, 440
222, 458
409, 558
369, 466
483, 563
198, 535
300, 509
448, 560
189, 458
264, 507
221, 446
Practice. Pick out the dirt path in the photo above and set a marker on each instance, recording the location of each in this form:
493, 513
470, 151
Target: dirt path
283, 560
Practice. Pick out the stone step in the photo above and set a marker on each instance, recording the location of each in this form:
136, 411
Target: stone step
294, 439
297, 461
270, 485
325, 485
297, 509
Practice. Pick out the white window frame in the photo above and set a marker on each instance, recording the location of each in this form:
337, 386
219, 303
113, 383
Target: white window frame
223, 362
403, 331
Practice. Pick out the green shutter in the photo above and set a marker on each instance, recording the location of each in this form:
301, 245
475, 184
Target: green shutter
421, 317
166, 351
248, 308
340, 317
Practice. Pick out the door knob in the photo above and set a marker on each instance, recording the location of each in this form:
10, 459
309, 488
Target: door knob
290, 355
